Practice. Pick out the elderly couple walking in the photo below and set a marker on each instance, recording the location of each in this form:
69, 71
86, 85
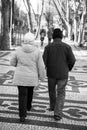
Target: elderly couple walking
31, 66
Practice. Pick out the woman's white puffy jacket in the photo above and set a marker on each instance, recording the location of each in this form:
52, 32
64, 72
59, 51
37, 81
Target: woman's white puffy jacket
29, 66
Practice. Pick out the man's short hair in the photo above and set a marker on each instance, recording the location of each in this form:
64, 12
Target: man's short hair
57, 33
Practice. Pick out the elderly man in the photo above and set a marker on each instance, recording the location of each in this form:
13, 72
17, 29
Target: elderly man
59, 60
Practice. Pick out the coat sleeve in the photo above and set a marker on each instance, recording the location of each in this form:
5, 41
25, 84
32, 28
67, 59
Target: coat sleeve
70, 58
13, 60
41, 67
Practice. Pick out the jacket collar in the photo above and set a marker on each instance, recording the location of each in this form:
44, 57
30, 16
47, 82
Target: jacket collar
57, 39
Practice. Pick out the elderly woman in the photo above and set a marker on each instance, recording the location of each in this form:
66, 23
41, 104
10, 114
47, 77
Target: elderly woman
29, 69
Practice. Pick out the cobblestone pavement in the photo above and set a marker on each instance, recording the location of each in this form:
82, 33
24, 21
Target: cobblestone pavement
39, 118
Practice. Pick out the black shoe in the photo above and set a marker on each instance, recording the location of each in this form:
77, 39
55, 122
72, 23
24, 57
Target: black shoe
57, 118
50, 109
22, 119
28, 109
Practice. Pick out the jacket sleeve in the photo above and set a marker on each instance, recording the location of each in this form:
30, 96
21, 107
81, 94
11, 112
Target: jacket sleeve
41, 67
70, 58
13, 60
45, 53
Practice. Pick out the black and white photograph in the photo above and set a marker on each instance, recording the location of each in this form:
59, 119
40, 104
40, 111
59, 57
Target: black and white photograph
43, 64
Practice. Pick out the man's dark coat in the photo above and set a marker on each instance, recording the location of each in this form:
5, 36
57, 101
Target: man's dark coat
59, 59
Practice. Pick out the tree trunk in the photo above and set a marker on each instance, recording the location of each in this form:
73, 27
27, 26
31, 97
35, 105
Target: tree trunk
29, 15
39, 23
5, 19
80, 39
64, 21
75, 30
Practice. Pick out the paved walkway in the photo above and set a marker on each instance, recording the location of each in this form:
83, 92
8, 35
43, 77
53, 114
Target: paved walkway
39, 118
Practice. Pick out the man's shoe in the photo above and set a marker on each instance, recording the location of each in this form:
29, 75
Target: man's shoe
51, 109
57, 118
22, 119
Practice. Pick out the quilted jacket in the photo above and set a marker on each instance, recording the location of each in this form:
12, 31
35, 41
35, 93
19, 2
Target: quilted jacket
29, 66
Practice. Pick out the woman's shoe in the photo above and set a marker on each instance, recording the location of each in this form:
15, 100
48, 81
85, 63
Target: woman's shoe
28, 109
22, 119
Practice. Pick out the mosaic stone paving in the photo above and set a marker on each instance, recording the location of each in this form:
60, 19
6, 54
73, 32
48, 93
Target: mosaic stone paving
39, 118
